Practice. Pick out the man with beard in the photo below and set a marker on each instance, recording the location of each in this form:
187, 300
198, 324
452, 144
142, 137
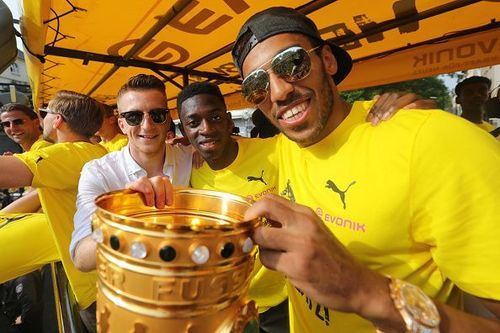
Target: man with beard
246, 167
69, 121
378, 218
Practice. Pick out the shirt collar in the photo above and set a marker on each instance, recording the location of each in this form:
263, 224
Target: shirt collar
133, 168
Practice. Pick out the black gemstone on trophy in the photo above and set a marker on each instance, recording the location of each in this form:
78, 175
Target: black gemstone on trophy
227, 250
167, 253
114, 241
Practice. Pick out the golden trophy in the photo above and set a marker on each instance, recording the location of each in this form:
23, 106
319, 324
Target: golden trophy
183, 268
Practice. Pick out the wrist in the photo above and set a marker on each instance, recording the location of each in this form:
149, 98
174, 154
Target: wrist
376, 304
416, 309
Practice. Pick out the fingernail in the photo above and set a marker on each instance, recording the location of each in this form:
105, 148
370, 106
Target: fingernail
387, 114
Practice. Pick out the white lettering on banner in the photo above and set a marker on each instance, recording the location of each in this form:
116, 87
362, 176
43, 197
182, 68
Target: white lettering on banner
459, 52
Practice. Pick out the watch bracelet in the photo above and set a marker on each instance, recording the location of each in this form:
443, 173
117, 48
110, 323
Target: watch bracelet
412, 325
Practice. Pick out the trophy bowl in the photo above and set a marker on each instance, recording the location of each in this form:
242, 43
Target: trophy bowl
182, 268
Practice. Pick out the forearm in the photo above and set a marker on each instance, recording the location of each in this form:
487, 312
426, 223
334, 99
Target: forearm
30, 203
85, 255
14, 173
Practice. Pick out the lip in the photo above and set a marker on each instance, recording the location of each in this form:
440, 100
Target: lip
209, 144
305, 103
147, 137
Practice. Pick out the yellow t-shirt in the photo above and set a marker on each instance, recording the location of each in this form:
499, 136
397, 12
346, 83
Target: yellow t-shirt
56, 170
402, 204
117, 143
486, 126
252, 174
39, 144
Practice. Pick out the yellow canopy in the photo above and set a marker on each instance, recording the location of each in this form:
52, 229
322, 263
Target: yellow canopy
94, 46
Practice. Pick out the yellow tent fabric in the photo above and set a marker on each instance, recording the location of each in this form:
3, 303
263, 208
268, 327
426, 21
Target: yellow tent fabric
93, 46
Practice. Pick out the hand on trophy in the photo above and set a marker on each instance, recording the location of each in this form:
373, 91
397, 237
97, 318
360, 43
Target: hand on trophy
315, 262
157, 191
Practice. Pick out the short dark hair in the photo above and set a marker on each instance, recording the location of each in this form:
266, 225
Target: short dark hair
107, 110
198, 88
142, 82
80, 112
9, 107
470, 80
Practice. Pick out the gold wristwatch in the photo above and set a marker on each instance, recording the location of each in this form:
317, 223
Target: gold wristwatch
417, 309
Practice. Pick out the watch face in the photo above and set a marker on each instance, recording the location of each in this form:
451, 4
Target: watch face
419, 305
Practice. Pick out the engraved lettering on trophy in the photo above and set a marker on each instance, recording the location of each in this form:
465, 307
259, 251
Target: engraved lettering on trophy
191, 289
163, 287
111, 274
115, 276
239, 277
219, 285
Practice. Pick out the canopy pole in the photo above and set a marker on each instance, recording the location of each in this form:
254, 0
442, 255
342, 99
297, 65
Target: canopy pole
179, 6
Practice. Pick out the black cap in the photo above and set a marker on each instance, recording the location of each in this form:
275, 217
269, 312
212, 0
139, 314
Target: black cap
278, 20
472, 79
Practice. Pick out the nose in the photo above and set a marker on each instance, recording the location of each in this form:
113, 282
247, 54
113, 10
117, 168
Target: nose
206, 128
147, 121
279, 89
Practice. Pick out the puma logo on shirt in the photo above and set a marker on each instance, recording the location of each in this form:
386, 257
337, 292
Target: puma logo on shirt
331, 185
259, 179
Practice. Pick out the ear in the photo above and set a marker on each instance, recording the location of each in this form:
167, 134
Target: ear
329, 61
230, 122
181, 128
457, 100
122, 124
58, 122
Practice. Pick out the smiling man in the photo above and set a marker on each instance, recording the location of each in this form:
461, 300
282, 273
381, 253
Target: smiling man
377, 218
22, 125
144, 117
246, 167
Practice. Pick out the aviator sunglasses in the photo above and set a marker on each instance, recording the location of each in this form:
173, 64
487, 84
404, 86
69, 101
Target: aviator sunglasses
17, 122
135, 118
292, 64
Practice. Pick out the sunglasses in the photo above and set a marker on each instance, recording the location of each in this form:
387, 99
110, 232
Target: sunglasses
135, 118
16, 122
292, 64
44, 112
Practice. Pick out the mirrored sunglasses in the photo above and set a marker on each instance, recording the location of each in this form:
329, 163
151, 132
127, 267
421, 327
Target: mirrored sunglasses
135, 118
292, 64
16, 122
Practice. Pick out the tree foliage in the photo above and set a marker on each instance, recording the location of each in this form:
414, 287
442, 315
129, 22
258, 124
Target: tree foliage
429, 87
